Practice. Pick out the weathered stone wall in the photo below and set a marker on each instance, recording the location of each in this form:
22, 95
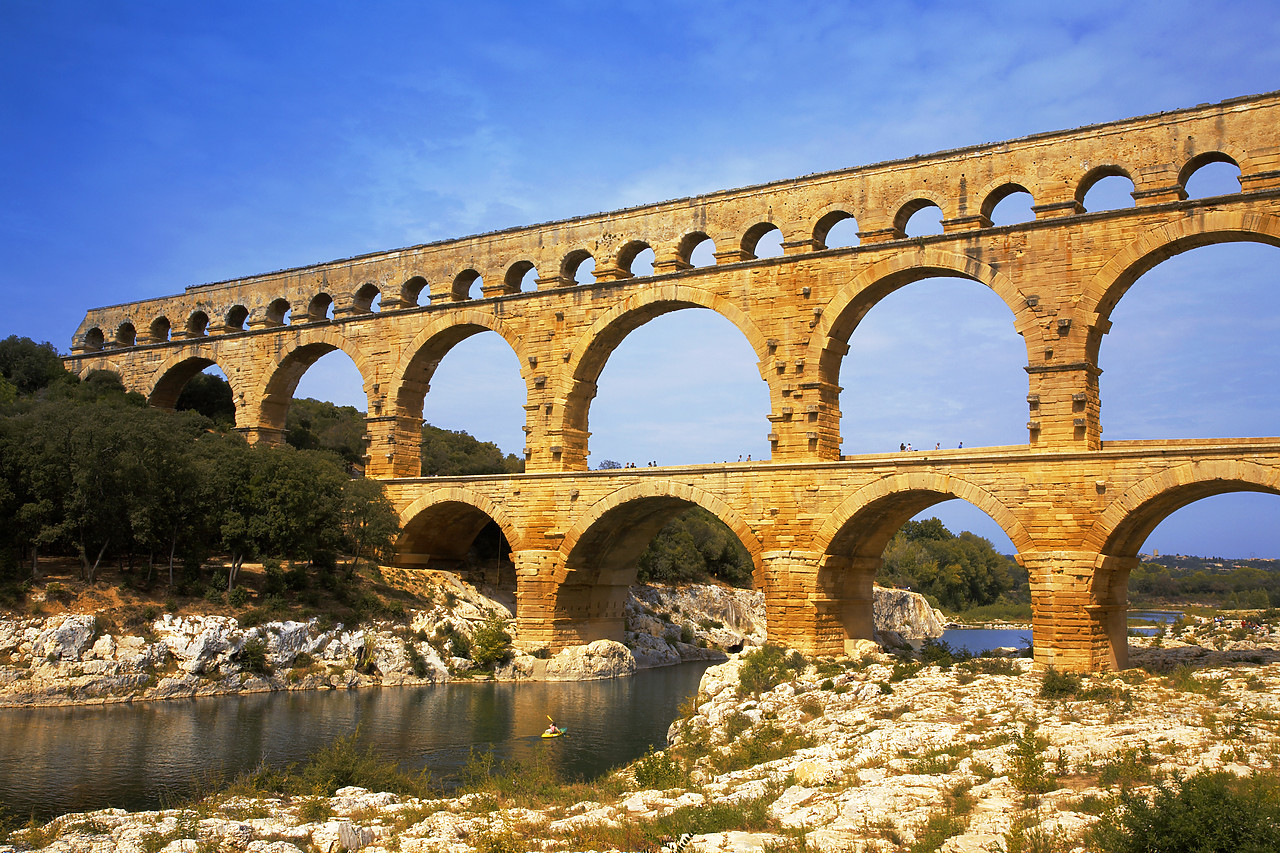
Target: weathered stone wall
815, 522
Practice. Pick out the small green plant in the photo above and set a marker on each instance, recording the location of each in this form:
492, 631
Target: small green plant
314, 809
766, 668
491, 644
1059, 685
252, 657
1028, 771
657, 770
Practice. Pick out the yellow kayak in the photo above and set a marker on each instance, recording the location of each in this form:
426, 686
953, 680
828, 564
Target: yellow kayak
556, 733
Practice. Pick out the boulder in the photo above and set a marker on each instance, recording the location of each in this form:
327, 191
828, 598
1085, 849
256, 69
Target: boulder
906, 613
601, 659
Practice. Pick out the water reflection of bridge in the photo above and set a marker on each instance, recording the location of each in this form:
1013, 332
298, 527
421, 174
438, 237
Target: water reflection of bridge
1077, 509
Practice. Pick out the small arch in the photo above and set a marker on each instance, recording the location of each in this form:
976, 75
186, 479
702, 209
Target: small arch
578, 267
126, 335
320, 308
1008, 204
1210, 174
836, 229
197, 324
1109, 186
629, 254
278, 312
763, 240
94, 339
411, 291
159, 330
294, 360
521, 276
174, 375
467, 284
920, 217
367, 298
236, 317
697, 250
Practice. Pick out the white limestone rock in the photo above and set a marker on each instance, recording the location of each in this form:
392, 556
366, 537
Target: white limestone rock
600, 659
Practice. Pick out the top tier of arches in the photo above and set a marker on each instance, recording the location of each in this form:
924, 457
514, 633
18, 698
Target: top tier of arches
1158, 154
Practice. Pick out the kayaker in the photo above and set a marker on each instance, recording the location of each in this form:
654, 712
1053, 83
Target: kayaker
552, 730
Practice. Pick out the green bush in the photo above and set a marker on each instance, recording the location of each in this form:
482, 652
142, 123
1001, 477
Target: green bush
1028, 771
491, 644
1059, 685
658, 771
252, 657
766, 668
1210, 812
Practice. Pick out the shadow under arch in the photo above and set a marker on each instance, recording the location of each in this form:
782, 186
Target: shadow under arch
178, 370
1207, 228
597, 344
292, 361
601, 551
442, 524
851, 541
1122, 528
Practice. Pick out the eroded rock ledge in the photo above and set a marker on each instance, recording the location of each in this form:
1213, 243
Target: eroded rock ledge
68, 659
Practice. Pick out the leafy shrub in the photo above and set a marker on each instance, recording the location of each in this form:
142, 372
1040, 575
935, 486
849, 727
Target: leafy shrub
1059, 685
938, 652
904, 668
1028, 772
252, 657
1210, 812
238, 597
766, 668
491, 644
760, 745
657, 770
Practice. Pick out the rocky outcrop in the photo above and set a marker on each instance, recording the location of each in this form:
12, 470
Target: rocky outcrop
907, 614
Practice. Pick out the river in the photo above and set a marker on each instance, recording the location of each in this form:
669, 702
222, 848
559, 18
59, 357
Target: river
146, 755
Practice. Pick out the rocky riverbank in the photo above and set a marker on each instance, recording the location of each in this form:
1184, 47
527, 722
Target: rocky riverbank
75, 659
869, 754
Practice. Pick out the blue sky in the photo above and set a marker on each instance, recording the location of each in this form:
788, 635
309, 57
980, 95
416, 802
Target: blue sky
148, 146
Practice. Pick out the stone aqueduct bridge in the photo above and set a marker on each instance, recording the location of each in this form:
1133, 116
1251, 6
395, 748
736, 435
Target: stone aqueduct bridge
1077, 508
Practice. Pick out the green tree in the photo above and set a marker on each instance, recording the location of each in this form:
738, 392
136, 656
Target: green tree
210, 395
958, 572
319, 425
368, 519
30, 366
448, 453
693, 546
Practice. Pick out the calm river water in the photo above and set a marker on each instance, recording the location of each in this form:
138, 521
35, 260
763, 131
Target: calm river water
140, 756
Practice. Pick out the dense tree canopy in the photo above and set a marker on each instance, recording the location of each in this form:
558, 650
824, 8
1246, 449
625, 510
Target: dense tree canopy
958, 572
692, 547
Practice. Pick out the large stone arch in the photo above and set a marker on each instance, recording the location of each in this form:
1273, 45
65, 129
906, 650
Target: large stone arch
1198, 228
910, 492
594, 347
459, 514
292, 359
851, 303
413, 371
1124, 525
665, 499
179, 369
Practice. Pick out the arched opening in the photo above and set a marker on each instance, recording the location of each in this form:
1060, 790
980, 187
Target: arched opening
1009, 205
368, 298
836, 230
1209, 175
521, 276
578, 267
919, 218
278, 312
933, 364
897, 541
676, 387
315, 399
1234, 526
698, 250
94, 339
636, 258
454, 536
206, 391
605, 556
1192, 351
467, 284
159, 331
320, 308
236, 317
411, 291
763, 240
473, 414
126, 335
1105, 188
197, 324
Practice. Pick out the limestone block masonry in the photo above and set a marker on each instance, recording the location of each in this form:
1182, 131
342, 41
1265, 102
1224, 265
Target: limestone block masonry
1077, 508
